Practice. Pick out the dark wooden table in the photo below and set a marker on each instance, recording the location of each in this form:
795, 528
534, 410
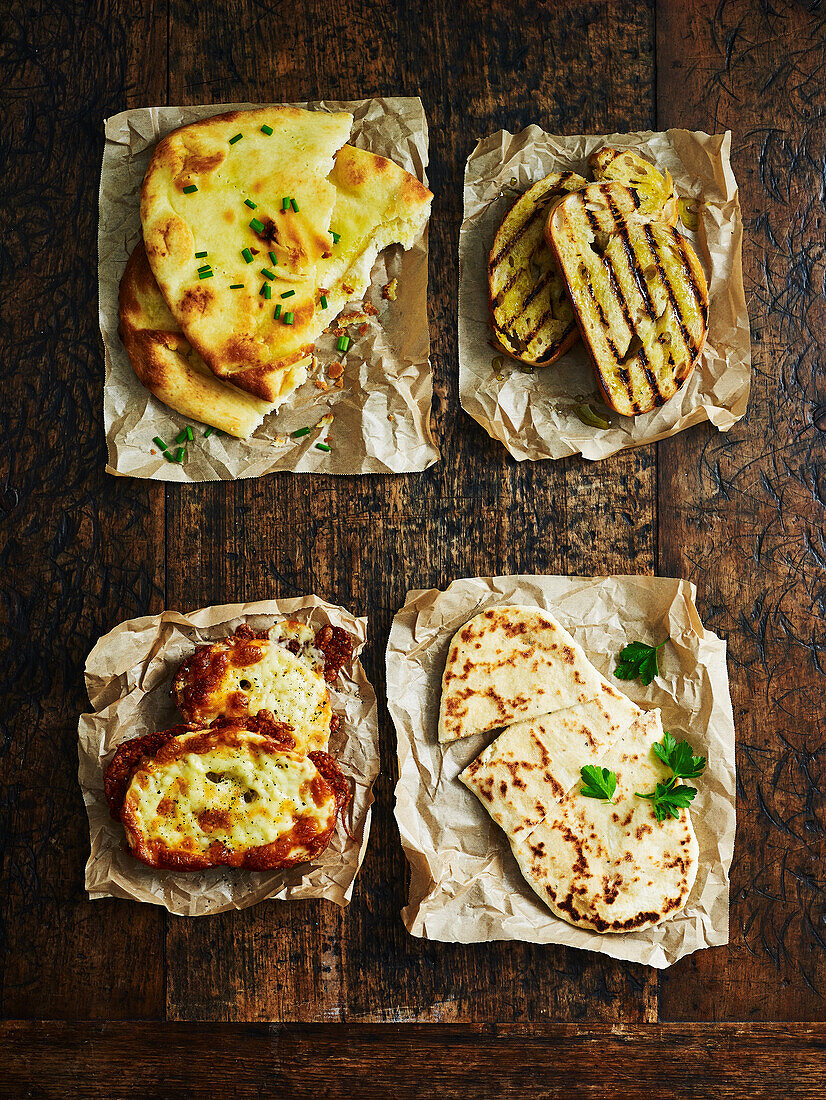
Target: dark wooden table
111, 999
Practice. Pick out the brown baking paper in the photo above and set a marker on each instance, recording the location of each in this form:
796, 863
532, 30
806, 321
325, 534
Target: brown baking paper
129, 675
465, 884
531, 411
380, 419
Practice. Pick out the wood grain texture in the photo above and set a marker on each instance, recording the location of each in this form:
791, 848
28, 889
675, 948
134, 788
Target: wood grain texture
79, 551
743, 514
363, 542
414, 1062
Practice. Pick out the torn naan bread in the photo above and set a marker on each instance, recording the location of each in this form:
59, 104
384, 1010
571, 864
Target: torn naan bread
511, 663
289, 231
611, 866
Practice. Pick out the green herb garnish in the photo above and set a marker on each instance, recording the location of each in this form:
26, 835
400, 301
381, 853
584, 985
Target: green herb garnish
288, 294
285, 203
277, 313
181, 436
336, 237
598, 782
668, 798
301, 431
190, 189
323, 302
237, 137
294, 205
252, 205
322, 447
179, 455
160, 443
638, 659
257, 226
265, 271
189, 435
266, 291
245, 252
288, 318
266, 129
207, 273
343, 343
273, 258
236, 286
200, 255
207, 433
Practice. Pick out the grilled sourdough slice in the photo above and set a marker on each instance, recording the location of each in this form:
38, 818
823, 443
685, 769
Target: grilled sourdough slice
638, 292
655, 189
532, 317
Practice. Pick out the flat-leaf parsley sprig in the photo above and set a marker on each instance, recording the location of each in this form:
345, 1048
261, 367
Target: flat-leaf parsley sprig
638, 659
598, 782
669, 798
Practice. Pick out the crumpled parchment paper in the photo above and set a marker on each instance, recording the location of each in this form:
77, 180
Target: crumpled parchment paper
531, 411
129, 675
465, 884
381, 417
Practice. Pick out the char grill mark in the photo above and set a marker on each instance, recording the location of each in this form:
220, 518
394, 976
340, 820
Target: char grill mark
687, 340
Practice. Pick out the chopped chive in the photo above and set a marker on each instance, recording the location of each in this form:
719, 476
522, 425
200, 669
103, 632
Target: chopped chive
200, 255
288, 294
245, 252
322, 447
160, 443
257, 225
277, 313
169, 457
274, 258
179, 455
207, 433
343, 343
205, 267
190, 188
323, 302
265, 271
266, 290
294, 205
288, 318
301, 431
181, 436
237, 137
236, 286
252, 205
336, 237
285, 203
207, 274
266, 129
189, 434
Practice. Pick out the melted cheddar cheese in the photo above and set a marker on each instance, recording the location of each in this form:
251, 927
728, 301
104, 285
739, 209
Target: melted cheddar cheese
239, 796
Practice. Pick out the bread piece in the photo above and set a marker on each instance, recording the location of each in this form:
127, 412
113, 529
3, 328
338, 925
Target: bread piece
655, 189
234, 793
511, 663
533, 764
611, 866
530, 312
236, 331
171, 369
638, 292
248, 672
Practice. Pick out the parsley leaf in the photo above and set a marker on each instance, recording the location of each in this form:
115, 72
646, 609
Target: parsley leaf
638, 659
598, 782
679, 757
668, 799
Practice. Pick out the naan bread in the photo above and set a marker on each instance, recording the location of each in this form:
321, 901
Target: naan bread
612, 867
511, 663
170, 368
533, 764
365, 200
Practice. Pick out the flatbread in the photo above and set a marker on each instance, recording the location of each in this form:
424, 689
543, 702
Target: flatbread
170, 368
508, 664
612, 867
236, 331
533, 764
